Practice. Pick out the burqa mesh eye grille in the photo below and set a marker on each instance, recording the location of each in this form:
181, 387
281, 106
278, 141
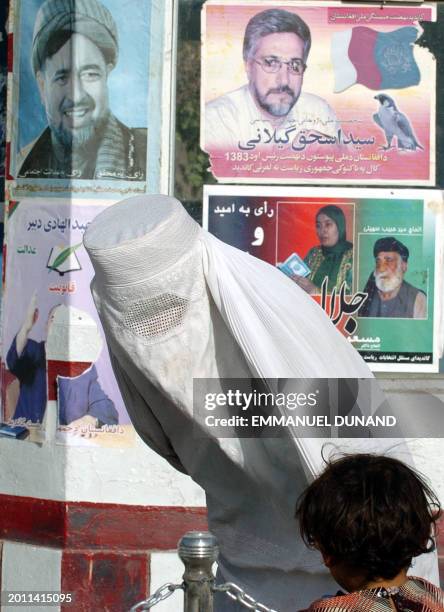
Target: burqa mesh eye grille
155, 316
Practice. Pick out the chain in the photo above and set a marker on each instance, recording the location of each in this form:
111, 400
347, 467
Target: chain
164, 592
232, 590
239, 595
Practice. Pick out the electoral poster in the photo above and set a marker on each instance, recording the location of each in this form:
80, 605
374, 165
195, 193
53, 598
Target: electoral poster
3, 86
317, 92
85, 76
54, 354
371, 258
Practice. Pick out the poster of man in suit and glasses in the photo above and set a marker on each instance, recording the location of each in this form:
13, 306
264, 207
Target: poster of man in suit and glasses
323, 92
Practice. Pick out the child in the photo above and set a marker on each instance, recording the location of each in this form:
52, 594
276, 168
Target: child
369, 516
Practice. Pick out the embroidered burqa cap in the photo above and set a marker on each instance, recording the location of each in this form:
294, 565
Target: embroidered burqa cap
177, 304
87, 17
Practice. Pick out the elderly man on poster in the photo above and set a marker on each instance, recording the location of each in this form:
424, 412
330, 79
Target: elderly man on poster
389, 295
74, 49
271, 107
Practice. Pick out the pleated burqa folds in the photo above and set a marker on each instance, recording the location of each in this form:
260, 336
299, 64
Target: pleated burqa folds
178, 304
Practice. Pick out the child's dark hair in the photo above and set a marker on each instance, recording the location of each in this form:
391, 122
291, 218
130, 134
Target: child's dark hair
373, 513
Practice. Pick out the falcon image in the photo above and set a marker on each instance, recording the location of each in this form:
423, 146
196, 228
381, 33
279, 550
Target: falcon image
395, 123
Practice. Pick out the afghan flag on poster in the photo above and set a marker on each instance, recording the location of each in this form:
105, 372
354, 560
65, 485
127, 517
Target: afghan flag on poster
377, 60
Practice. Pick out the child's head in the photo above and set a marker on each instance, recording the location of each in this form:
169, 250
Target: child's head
370, 514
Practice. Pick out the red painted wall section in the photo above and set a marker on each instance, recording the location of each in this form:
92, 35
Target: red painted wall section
131, 527
106, 581
84, 525
10, 52
32, 521
105, 547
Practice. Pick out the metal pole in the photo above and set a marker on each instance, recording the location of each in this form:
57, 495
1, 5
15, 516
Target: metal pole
198, 551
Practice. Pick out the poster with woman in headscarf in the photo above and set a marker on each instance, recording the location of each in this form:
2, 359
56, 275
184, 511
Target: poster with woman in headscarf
371, 258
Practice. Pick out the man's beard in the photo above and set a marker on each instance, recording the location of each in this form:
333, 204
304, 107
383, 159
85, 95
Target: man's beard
80, 139
277, 109
391, 282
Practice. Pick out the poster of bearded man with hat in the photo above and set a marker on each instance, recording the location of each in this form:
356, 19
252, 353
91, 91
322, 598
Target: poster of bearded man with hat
389, 294
78, 60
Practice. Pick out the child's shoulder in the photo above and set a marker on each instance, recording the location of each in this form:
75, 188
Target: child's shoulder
420, 587
415, 590
344, 602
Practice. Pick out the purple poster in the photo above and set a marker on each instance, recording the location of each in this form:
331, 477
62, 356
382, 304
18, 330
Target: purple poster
53, 345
